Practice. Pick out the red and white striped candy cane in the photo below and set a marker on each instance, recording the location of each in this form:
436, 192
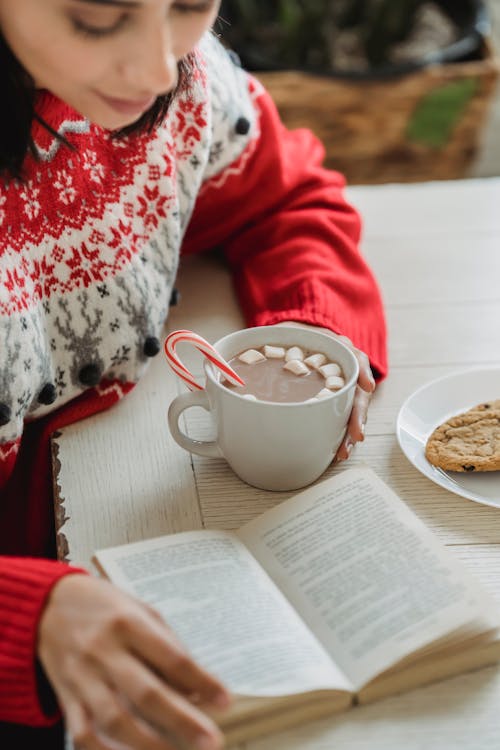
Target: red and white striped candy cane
184, 335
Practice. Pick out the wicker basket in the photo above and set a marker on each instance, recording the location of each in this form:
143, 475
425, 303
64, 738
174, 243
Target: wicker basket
421, 126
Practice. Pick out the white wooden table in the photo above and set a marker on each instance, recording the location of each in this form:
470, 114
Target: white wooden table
435, 249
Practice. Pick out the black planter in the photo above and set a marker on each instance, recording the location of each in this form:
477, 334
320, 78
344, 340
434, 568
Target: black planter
470, 16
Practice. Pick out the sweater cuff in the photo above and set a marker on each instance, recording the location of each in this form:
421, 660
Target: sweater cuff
25, 584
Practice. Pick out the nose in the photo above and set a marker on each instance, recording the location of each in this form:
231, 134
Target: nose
151, 66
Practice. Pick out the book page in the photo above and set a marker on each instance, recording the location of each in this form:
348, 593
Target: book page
226, 610
364, 572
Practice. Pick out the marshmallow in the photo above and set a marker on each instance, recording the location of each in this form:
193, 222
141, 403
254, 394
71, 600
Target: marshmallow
274, 352
330, 369
294, 353
297, 367
315, 360
251, 357
323, 393
334, 382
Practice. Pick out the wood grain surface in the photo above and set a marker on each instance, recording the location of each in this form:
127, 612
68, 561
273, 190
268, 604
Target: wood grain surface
119, 476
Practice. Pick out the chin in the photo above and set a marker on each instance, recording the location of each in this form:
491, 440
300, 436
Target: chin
114, 123
120, 125
104, 117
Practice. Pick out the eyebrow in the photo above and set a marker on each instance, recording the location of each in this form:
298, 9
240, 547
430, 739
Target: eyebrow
118, 3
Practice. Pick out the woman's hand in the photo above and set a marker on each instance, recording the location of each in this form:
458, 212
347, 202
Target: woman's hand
366, 385
121, 677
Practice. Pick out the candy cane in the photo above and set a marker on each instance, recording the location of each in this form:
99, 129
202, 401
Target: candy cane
206, 349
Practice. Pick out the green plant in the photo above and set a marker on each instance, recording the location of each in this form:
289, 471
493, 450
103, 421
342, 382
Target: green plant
305, 33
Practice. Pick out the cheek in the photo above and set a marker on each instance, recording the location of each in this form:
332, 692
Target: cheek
54, 59
185, 36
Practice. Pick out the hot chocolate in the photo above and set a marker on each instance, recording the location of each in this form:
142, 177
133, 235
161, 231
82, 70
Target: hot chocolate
285, 375
273, 445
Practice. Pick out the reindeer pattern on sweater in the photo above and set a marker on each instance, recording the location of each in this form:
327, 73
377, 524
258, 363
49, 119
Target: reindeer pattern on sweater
90, 239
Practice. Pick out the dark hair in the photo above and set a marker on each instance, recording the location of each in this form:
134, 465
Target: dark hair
18, 97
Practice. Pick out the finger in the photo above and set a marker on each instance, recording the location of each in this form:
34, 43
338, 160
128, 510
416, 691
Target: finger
365, 379
162, 706
77, 721
356, 426
81, 730
345, 449
154, 643
113, 719
359, 415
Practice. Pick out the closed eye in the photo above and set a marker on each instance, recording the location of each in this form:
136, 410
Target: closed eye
199, 7
96, 31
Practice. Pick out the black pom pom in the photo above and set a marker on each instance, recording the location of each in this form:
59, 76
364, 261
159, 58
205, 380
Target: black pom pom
242, 126
48, 394
174, 298
5, 414
90, 375
151, 346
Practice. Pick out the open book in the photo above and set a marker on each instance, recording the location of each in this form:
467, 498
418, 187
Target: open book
337, 596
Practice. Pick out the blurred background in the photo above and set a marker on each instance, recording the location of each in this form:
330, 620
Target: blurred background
487, 163
397, 90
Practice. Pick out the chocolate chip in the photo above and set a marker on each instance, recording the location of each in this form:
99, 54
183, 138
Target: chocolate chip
48, 394
151, 346
242, 126
90, 375
468, 467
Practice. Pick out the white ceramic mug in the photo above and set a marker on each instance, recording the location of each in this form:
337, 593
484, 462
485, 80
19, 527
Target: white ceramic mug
274, 446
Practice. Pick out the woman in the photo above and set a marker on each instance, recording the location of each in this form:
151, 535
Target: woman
128, 136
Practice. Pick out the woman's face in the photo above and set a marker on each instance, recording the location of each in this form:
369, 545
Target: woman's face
108, 59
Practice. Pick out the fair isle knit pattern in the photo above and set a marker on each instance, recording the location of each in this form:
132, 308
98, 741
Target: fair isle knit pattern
89, 248
90, 240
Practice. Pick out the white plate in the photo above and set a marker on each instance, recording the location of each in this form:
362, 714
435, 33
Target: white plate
434, 403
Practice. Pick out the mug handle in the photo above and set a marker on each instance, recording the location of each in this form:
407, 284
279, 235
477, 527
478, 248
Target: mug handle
177, 407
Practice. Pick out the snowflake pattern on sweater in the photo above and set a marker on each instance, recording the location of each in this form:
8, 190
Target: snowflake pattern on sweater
90, 240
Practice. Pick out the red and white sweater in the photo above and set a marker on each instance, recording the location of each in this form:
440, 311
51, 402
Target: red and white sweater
89, 248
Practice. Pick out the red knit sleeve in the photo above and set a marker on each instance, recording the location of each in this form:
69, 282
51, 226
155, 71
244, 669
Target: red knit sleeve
291, 238
25, 584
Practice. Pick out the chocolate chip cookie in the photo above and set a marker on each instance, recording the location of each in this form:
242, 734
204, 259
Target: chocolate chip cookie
468, 441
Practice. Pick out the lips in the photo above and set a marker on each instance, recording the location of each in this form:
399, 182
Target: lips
129, 106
